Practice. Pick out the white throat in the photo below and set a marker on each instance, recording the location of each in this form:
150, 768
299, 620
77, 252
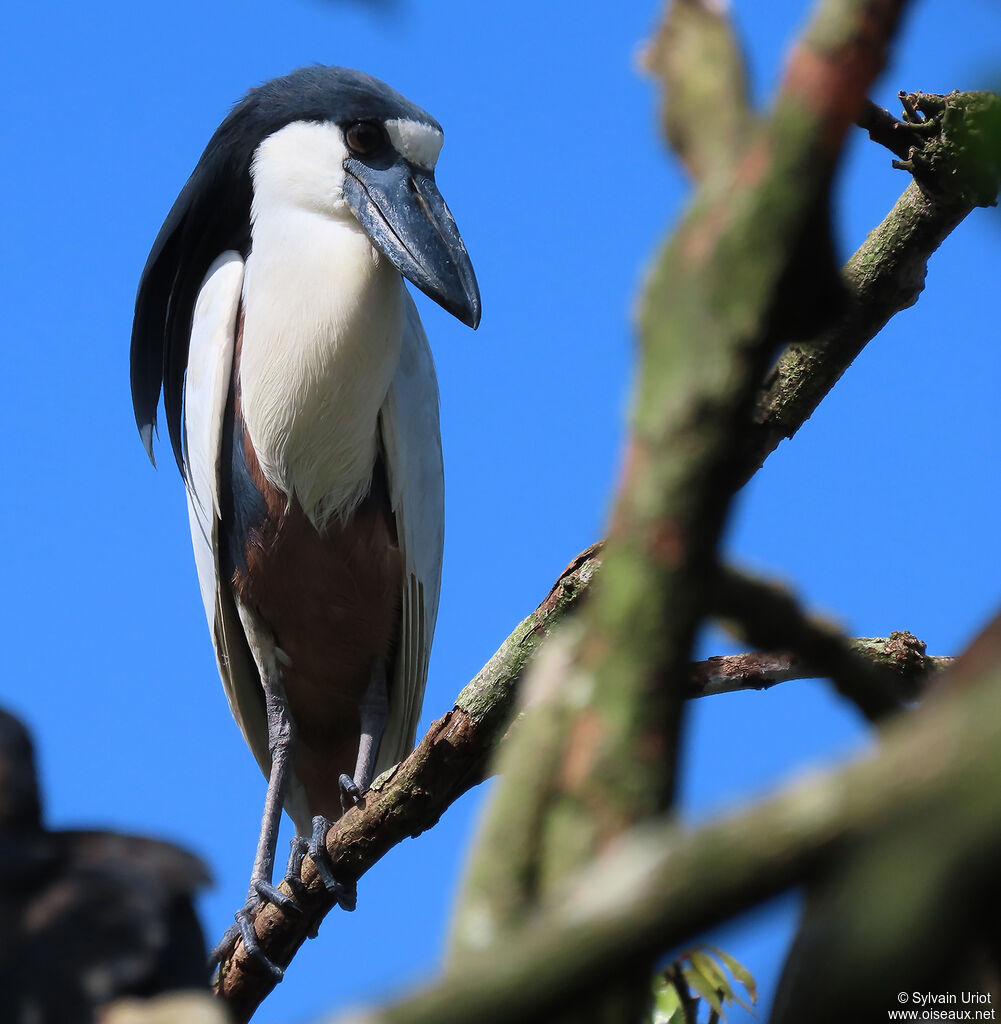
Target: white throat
323, 323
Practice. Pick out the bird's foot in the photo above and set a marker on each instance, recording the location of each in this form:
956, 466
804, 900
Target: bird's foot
264, 892
344, 894
245, 923
244, 929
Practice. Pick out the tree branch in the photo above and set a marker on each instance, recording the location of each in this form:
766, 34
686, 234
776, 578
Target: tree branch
901, 653
598, 749
771, 618
455, 754
664, 884
896, 135
887, 273
705, 110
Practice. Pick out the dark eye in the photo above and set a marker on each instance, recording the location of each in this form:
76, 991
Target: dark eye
365, 138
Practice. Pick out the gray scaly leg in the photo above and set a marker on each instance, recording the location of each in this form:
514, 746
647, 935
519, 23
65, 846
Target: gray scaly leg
373, 712
281, 744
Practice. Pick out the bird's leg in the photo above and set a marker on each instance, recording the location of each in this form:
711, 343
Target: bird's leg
281, 739
373, 713
281, 743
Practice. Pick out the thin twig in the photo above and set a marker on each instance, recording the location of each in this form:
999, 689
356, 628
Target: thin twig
770, 617
689, 1003
901, 655
896, 135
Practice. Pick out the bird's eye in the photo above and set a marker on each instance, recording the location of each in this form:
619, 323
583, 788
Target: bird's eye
365, 138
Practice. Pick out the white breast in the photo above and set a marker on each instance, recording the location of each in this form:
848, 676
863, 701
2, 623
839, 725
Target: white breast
323, 322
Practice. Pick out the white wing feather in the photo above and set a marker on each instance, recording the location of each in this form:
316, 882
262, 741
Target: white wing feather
206, 388
411, 439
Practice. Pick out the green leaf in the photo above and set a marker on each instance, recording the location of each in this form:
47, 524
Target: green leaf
704, 987
705, 965
739, 971
666, 1002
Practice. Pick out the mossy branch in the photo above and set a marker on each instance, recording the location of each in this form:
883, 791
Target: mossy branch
456, 753
664, 884
597, 751
955, 157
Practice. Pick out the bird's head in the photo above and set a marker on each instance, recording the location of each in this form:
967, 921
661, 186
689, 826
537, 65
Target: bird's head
349, 146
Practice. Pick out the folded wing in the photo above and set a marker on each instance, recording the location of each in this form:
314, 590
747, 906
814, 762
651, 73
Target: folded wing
206, 390
411, 441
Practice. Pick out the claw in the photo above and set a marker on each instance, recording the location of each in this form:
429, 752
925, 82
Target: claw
272, 894
244, 926
244, 929
345, 895
245, 923
293, 867
223, 947
350, 792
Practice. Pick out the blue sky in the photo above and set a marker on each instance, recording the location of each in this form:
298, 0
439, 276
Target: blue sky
882, 512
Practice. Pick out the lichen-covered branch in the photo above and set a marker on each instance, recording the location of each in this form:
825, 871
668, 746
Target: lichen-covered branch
597, 751
887, 273
705, 107
927, 799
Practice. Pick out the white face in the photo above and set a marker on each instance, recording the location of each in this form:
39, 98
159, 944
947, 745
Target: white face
416, 142
302, 164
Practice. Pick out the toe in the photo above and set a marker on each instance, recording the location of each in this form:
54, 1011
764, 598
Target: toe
272, 894
245, 923
345, 894
224, 946
350, 793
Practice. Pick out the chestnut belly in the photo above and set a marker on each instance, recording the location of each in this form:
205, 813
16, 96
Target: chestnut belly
331, 600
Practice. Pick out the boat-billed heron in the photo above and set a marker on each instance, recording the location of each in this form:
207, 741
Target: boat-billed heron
302, 406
